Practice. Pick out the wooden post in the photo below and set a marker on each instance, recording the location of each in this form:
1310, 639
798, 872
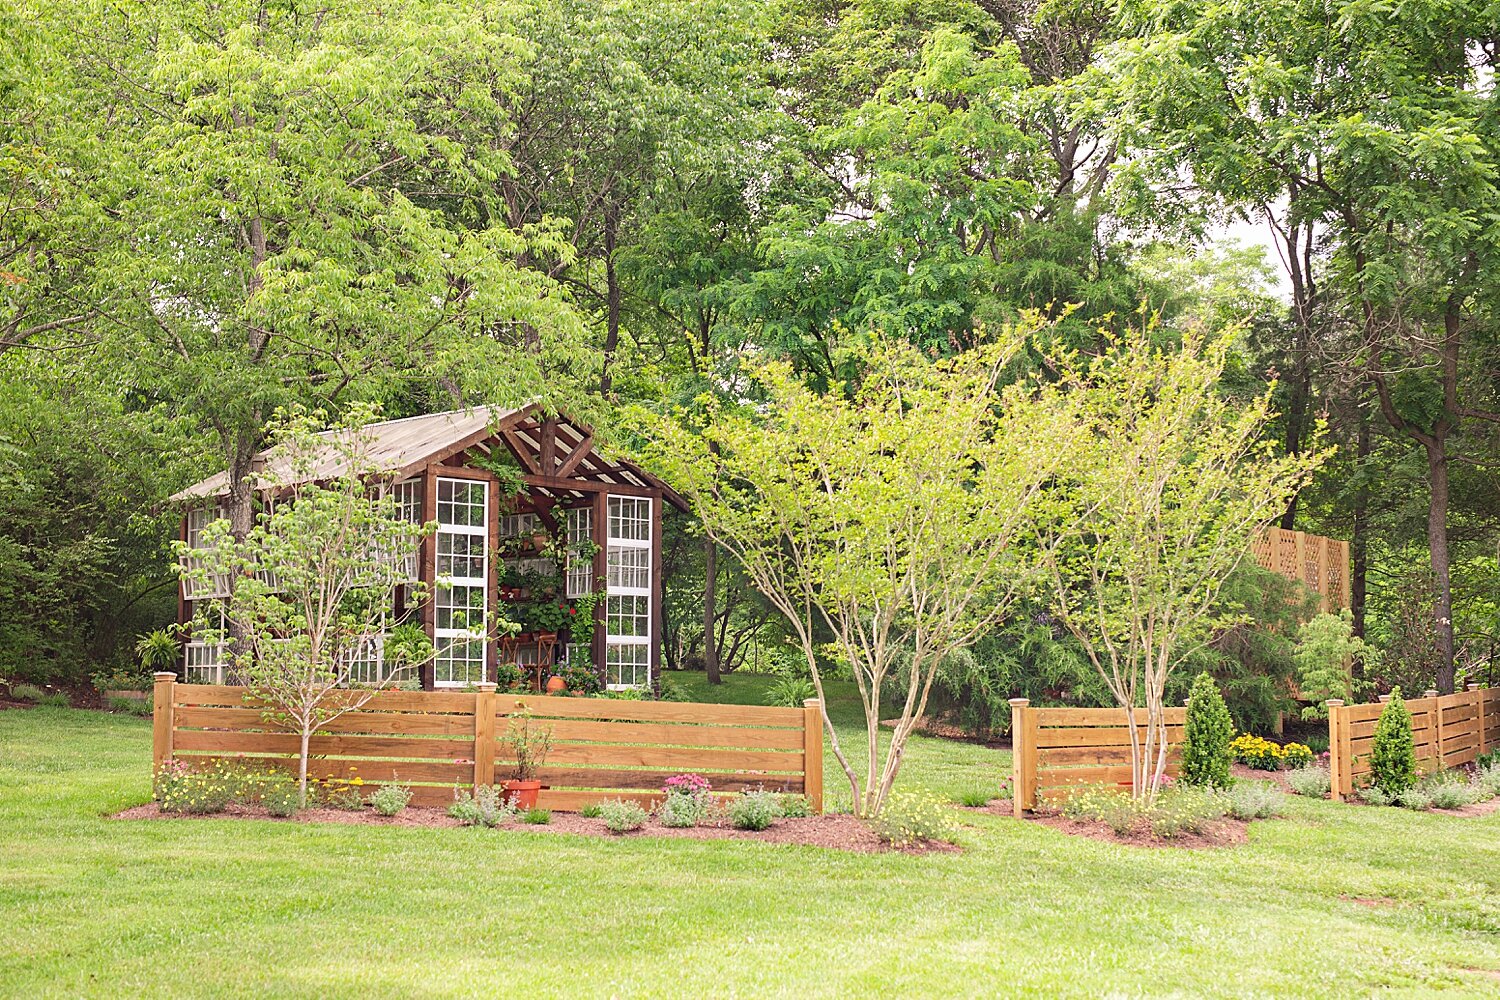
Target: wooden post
812, 753
1023, 775
1478, 694
1336, 790
1435, 727
484, 735
1324, 590
161, 719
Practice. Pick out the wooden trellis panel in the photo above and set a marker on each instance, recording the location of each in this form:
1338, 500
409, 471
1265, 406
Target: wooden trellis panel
1321, 564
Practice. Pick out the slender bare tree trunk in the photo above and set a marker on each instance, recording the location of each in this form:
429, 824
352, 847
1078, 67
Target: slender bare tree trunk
710, 611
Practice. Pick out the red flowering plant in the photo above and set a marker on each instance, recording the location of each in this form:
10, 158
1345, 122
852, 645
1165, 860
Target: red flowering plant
687, 801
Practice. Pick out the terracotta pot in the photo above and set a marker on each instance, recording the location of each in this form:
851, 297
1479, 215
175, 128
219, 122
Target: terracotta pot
522, 793
556, 685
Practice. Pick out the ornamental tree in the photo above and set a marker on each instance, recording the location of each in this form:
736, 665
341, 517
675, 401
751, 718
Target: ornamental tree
885, 517
316, 580
1326, 650
1393, 753
1170, 482
1206, 736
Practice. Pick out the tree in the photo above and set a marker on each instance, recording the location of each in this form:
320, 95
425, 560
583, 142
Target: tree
1393, 753
1206, 736
317, 575
1158, 509
887, 517
1326, 650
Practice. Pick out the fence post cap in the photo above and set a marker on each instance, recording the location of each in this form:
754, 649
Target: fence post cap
1020, 702
486, 687
812, 703
1384, 698
1474, 686
1430, 693
1334, 702
162, 676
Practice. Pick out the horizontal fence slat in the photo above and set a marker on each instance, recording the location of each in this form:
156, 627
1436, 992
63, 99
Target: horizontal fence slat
618, 710
386, 701
666, 733
370, 771
572, 801
1066, 777
1051, 717
1059, 756
682, 760
371, 723
1099, 736
605, 778
331, 746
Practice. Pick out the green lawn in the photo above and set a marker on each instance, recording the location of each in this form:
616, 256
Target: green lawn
92, 906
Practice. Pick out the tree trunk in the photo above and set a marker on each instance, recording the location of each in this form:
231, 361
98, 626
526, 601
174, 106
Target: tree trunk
710, 608
1360, 542
1437, 544
611, 296
302, 770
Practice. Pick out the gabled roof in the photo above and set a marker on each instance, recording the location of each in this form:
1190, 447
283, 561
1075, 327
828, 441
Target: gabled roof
403, 447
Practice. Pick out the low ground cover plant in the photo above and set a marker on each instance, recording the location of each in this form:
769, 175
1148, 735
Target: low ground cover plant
591, 810
912, 818
1249, 800
622, 815
753, 810
688, 800
1312, 781
1178, 810
390, 798
27, 692
130, 706
537, 816
486, 806
792, 806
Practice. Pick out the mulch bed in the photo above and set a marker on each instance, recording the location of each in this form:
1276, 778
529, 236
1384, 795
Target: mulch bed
1240, 772
1226, 832
838, 831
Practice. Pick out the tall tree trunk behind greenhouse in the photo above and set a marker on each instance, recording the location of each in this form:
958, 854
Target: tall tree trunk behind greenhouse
1360, 543
611, 296
710, 606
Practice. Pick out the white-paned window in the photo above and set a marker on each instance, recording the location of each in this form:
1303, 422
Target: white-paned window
518, 525
580, 571
203, 663
629, 620
408, 497
461, 596
368, 663
218, 584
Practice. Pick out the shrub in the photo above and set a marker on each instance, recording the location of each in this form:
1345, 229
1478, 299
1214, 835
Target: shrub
790, 691
346, 795
1393, 756
27, 692
56, 699
974, 798
622, 815
390, 798
670, 690
1373, 795
793, 806
591, 810
909, 818
509, 677
488, 806
1249, 800
1296, 755
1487, 760
1451, 795
753, 810
537, 816
1488, 776
120, 679
130, 706
579, 677
1325, 655
680, 811
1206, 736
1257, 752
1184, 810
1314, 782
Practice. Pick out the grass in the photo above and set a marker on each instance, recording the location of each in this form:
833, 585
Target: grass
206, 907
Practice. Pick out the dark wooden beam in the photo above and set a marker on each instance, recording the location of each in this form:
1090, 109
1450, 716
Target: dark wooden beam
579, 453
522, 452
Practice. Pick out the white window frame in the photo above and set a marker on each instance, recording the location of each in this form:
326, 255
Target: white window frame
637, 585
198, 519
408, 497
443, 638
579, 575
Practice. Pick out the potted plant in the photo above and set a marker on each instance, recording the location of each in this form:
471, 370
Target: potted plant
530, 744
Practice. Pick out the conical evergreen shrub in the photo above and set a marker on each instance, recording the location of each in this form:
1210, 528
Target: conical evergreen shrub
1393, 757
1206, 737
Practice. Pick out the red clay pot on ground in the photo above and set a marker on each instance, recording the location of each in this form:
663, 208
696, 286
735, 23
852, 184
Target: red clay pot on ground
556, 685
522, 793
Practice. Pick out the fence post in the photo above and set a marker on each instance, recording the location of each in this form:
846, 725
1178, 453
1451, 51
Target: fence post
484, 735
1478, 694
812, 753
1023, 774
1336, 725
161, 719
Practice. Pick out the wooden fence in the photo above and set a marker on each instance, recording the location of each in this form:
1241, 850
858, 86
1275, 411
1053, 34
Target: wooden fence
437, 741
1449, 731
1321, 564
1055, 749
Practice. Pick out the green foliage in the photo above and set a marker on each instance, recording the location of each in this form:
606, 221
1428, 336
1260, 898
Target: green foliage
1393, 756
537, 816
158, 649
27, 692
1296, 755
1247, 800
121, 679
581, 678
131, 706
1187, 810
1314, 782
1374, 795
1452, 794
487, 805
181, 789
911, 819
1206, 737
622, 815
1099, 804
792, 806
790, 691
680, 810
1326, 652
1257, 752
753, 810
975, 798
591, 810
527, 743
1415, 799
391, 798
